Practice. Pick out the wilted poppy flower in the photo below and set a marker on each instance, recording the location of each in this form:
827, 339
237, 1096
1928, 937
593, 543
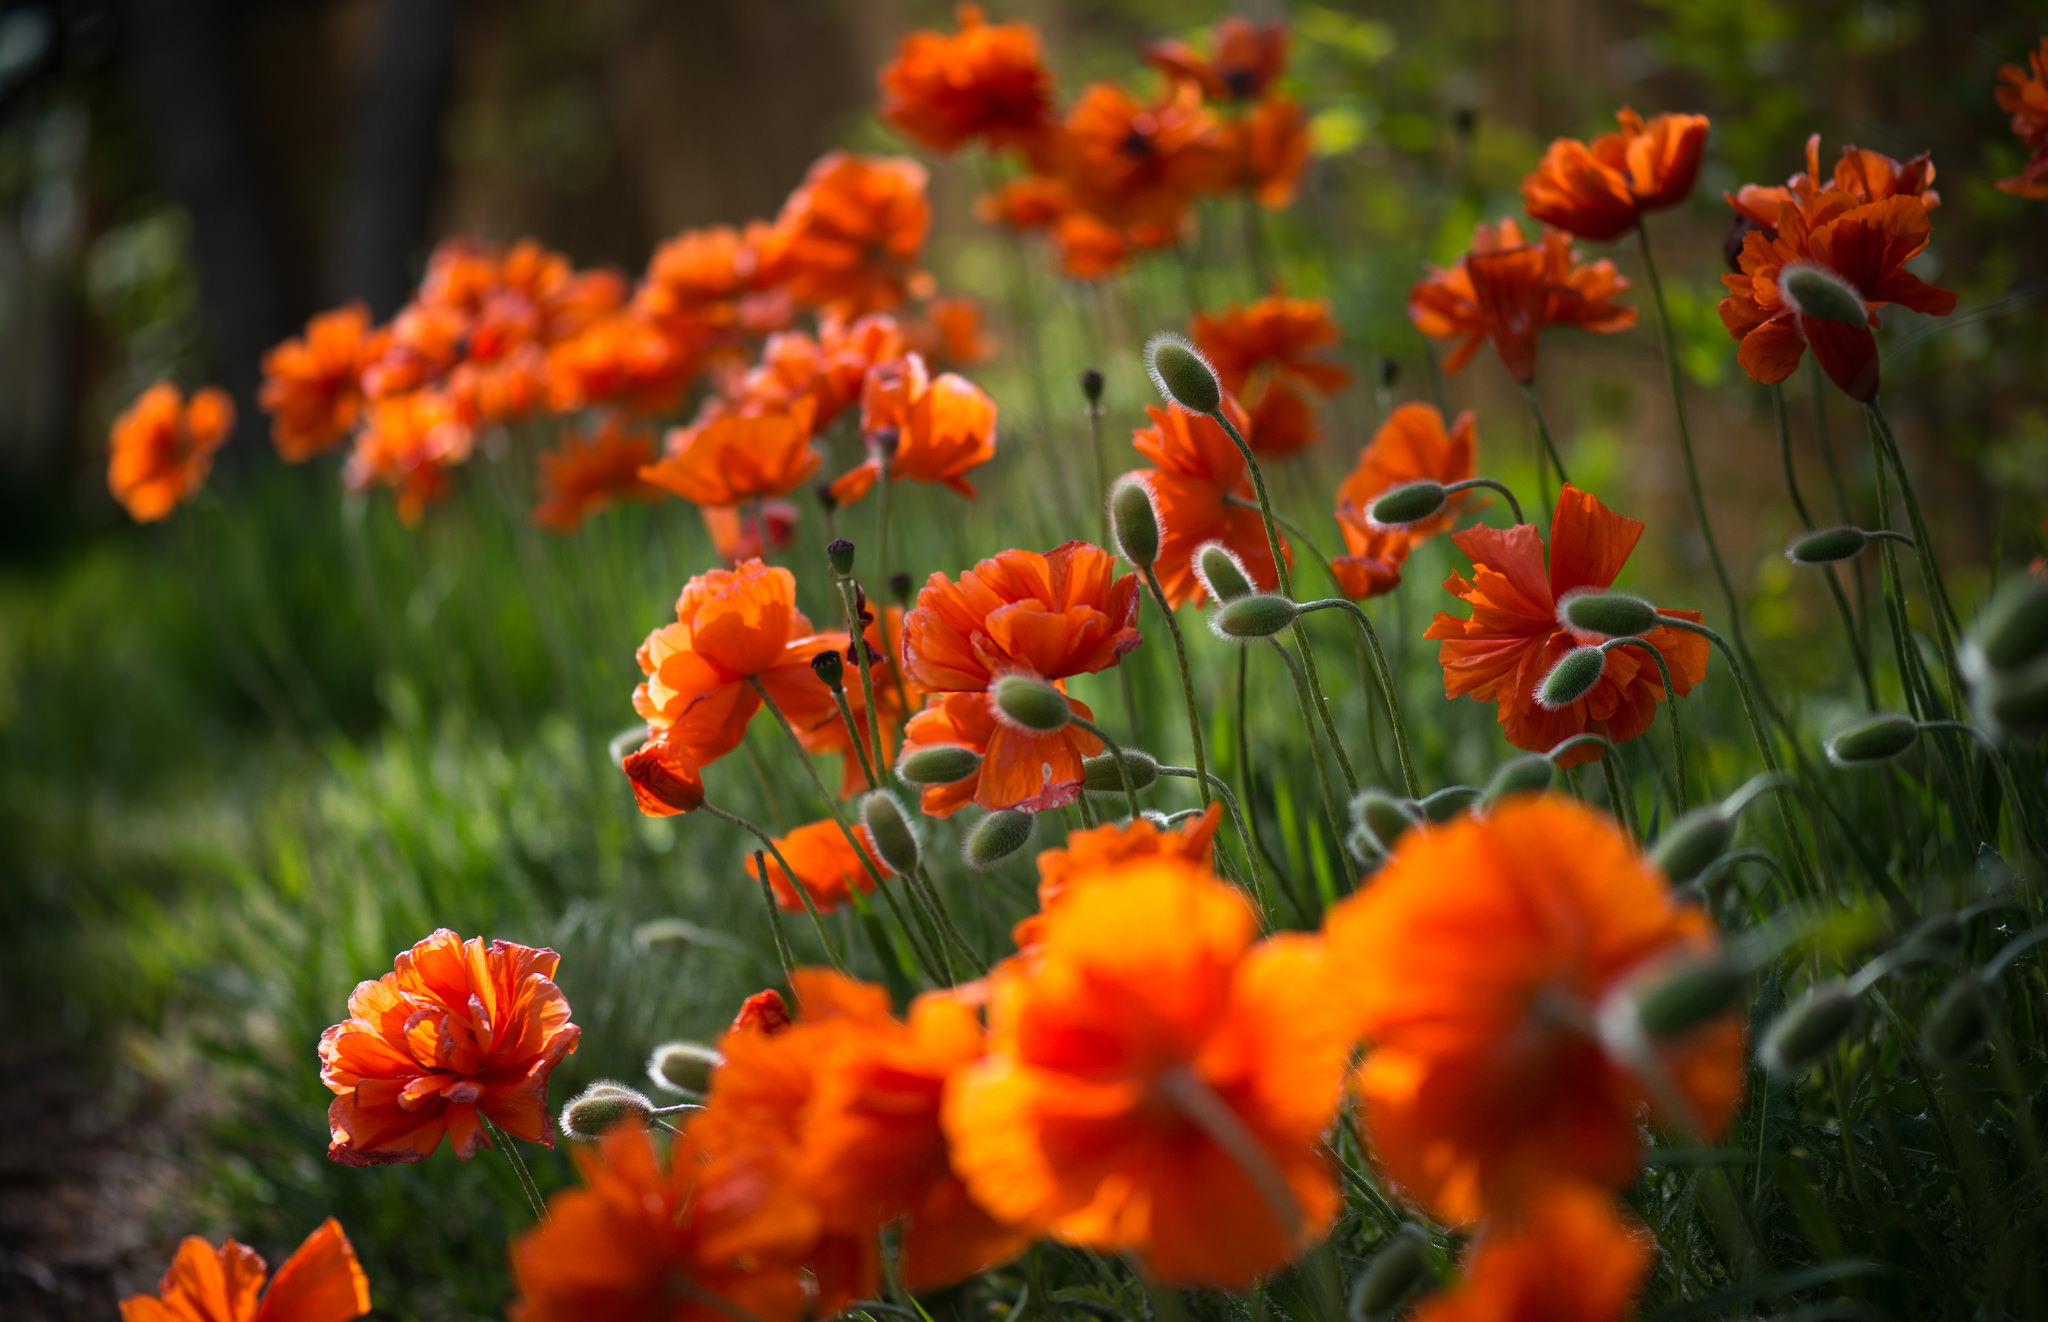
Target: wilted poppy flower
320, 1282
1598, 190
581, 476
408, 443
455, 1034
1060, 613
1505, 290
851, 233
1091, 853
664, 775
1516, 634
644, 1239
1129, 162
1862, 248
1156, 1081
1019, 768
987, 81
1264, 350
827, 867
933, 429
1203, 494
764, 1012
1248, 57
732, 459
1569, 1255
1487, 1079
313, 386
2023, 94
162, 448
1269, 146
1867, 176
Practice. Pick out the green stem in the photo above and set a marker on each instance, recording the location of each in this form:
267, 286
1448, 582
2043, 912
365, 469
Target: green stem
1123, 770
1855, 635
1670, 703
1371, 640
1923, 545
781, 938
1244, 830
1302, 696
1491, 484
503, 1143
1187, 682
1543, 432
775, 852
857, 643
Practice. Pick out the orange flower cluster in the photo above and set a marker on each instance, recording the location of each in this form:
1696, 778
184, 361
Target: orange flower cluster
583, 475
1203, 494
1410, 446
1600, 190
2023, 94
162, 448
1265, 352
1506, 289
320, 1282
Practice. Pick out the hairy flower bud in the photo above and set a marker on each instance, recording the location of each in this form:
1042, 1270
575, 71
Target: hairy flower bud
1134, 520
1030, 702
1808, 1027
683, 1066
996, 837
1688, 994
1182, 374
1091, 387
1813, 290
600, 1106
1260, 615
2011, 630
1827, 546
830, 668
1382, 817
1447, 802
1872, 740
1572, 678
839, 554
2014, 703
1612, 614
1410, 503
1396, 1273
938, 764
1221, 572
1523, 775
889, 831
1692, 843
1957, 1023
1101, 775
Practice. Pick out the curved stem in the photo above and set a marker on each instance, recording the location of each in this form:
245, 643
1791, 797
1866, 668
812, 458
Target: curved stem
857, 643
1514, 506
803, 893
1123, 768
1371, 639
781, 938
503, 1143
1670, 704
1849, 628
1618, 796
1302, 697
1543, 432
1239, 820
1187, 682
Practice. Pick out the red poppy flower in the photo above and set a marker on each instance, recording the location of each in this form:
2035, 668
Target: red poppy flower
1249, 56
625, 360
162, 448
1199, 472
827, 867
1373, 556
743, 533
1867, 176
2023, 94
764, 1012
1505, 290
1060, 613
733, 459
1413, 446
934, 429
704, 287
1569, 1256
1096, 851
1019, 768
985, 81
950, 333
408, 443
313, 386
851, 233
828, 369
455, 1034
1266, 348
1598, 190
664, 775
319, 1282
1269, 145
1130, 163
1515, 634
582, 476
1032, 202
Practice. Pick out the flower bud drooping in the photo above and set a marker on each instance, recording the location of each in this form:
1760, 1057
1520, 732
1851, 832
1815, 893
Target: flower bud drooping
1396, 1272
839, 554
1091, 387
938, 764
1182, 374
1523, 775
1134, 521
1382, 817
1030, 702
830, 668
683, 1066
1872, 740
996, 837
1221, 572
1692, 992
600, 1106
1447, 802
1809, 1026
1101, 775
1410, 503
1572, 678
1260, 615
1691, 844
1815, 291
1612, 614
1956, 1025
1827, 546
2012, 629
889, 831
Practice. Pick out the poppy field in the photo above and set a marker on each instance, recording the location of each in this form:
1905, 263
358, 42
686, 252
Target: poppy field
976, 747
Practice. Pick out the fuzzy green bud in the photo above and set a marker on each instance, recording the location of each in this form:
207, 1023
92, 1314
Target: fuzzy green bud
683, 1066
1221, 572
996, 837
938, 764
1523, 775
1572, 678
1032, 703
1182, 374
1396, 1273
1260, 615
1447, 802
1692, 843
839, 554
1410, 503
600, 1106
1101, 775
1692, 992
889, 831
1815, 291
1872, 740
1134, 521
1827, 546
1807, 1028
1383, 817
2014, 702
2012, 629
1957, 1023
1612, 614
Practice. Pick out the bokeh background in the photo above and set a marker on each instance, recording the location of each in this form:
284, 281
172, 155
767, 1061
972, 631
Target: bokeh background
246, 756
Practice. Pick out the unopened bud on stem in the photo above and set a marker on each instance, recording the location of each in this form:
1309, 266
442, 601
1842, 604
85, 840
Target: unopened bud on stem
938, 764
1814, 291
1810, 1025
1872, 740
1957, 1023
1613, 614
839, 554
1030, 702
1382, 817
1091, 387
1522, 775
1221, 572
1690, 845
1411, 503
683, 1066
1827, 546
830, 668
1134, 520
600, 1106
889, 831
1100, 774
1692, 992
997, 836
1182, 374
1572, 678
1260, 615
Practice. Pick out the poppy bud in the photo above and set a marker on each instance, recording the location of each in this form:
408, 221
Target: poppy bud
1809, 1026
1182, 374
1827, 546
889, 831
1813, 290
1872, 740
1447, 802
683, 1066
1572, 678
1260, 615
667, 934
1693, 992
938, 764
1390, 371
1221, 572
1091, 387
899, 587
1134, 521
826, 500
665, 782
1692, 843
2014, 702
1396, 1272
1523, 775
830, 669
2012, 629
1364, 846
1030, 702
1410, 503
600, 1106
1100, 774
1956, 1025
1382, 817
1613, 614
839, 554
996, 837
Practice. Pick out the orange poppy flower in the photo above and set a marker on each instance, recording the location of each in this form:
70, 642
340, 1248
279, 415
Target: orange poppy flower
764, 1012
1599, 190
2023, 94
408, 443
1032, 202
1373, 556
829, 369
1487, 1080
418, 349
1093, 851
582, 476
1091, 248
320, 1282
1157, 1083
828, 734
985, 81
1061, 613
313, 386
933, 429
1249, 56
1863, 246
625, 360
851, 233
1413, 446
162, 448
1505, 290
664, 776
648, 1240
734, 628
1868, 176
1132, 163
951, 333
1019, 768
456, 1033
1515, 634
741, 533
1261, 351
826, 866
1269, 145
1198, 473
733, 459
1570, 1256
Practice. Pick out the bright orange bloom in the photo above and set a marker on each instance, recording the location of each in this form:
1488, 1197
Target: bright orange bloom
1516, 634
664, 775
829, 369
455, 1034
1487, 1078
1090, 248
1019, 768
319, 1282
408, 443
1864, 246
1599, 190
933, 429
1410, 445
1506, 289
851, 233
706, 288
313, 386
2023, 94
950, 333
162, 448
1269, 145
625, 360
1091, 853
740, 533
730, 460
1032, 202
1198, 472
582, 476
764, 1012
1263, 350
1868, 176
985, 81
1571, 1258
1249, 56
1130, 163
1156, 1082
648, 1240
735, 629
827, 867
1060, 613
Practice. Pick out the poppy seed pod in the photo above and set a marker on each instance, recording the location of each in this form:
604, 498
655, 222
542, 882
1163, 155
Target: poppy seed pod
1396, 1272
600, 1106
1956, 1025
1827, 546
1809, 1026
1091, 386
1260, 615
1872, 740
1182, 374
830, 668
1447, 802
1100, 774
1383, 817
1522, 775
1614, 614
1693, 992
1815, 291
1410, 503
996, 837
1692, 843
683, 1066
938, 764
2011, 630
1030, 702
839, 554
1572, 678
889, 831
1134, 521
1221, 572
